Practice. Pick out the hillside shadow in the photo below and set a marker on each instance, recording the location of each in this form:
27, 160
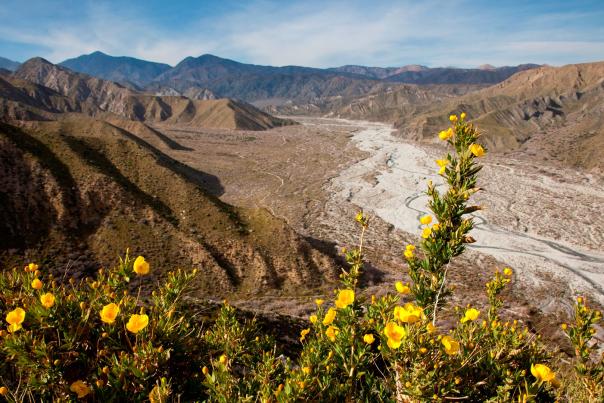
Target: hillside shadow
209, 183
16, 231
99, 161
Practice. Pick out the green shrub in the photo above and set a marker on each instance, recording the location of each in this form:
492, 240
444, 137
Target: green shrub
103, 339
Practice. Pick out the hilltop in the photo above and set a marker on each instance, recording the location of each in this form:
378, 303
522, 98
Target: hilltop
69, 91
551, 113
127, 71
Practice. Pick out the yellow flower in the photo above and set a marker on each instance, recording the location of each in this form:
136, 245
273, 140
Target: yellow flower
329, 316
223, 359
303, 334
332, 332
451, 346
507, 271
427, 219
445, 134
408, 253
408, 313
47, 300
16, 317
410, 247
426, 232
395, 334
136, 323
359, 217
36, 284
476, 149
205, 370
430, 328
402, 288
436, 227
80, 388
345, 298
471, 314
32, 267
141, 266
319, 301
3, 391
109, 313
442, 164
368, 338
313, 319
306, 370
542, 372
453, 118
463, 115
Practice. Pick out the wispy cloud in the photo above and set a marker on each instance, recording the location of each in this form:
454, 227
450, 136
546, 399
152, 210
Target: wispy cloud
311, 32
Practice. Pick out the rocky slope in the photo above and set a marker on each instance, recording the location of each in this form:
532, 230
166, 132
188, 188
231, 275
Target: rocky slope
554, 114
101, 98
77, 192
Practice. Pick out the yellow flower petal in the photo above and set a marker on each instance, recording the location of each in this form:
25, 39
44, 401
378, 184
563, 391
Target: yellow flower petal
36, 284
332, 332
395, 334
136, 323
542, 372
402, 288
80, 388
427, 219
329, 316
368, 338
141, 267
470, 315
16, 316
47, 300
345, 298
109, 313
476, 149
451, 346
426, 232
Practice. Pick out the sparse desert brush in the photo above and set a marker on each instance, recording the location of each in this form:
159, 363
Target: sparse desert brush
97, 341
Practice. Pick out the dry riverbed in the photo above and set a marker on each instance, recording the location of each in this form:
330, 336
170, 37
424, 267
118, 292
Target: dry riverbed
545, 223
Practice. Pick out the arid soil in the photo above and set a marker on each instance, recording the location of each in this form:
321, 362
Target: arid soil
541, 221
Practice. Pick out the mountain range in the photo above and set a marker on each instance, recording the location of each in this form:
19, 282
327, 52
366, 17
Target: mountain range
85, 170
39, 88
85, 174
7, 64
212, 76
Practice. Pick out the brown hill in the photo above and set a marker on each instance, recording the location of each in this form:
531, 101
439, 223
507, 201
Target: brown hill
100, 98
86, 190
551, 113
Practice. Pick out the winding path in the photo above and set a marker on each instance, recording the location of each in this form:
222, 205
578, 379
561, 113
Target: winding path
391, 183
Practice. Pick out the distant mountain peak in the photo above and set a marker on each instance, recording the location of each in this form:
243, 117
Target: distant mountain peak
486, 67
36, 61
8, 64
129, 71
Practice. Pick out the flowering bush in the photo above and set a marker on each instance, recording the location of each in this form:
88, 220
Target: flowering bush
97, 340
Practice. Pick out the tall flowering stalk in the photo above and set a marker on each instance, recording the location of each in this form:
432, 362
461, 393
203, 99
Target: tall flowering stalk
446, 239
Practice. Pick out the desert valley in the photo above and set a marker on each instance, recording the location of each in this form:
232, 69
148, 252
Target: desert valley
253, 175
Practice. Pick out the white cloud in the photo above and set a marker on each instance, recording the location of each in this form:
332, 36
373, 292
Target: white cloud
319, 34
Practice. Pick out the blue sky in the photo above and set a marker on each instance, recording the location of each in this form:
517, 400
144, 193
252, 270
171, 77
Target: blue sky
308, 32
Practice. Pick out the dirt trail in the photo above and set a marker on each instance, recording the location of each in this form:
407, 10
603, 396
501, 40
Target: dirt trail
391, 183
